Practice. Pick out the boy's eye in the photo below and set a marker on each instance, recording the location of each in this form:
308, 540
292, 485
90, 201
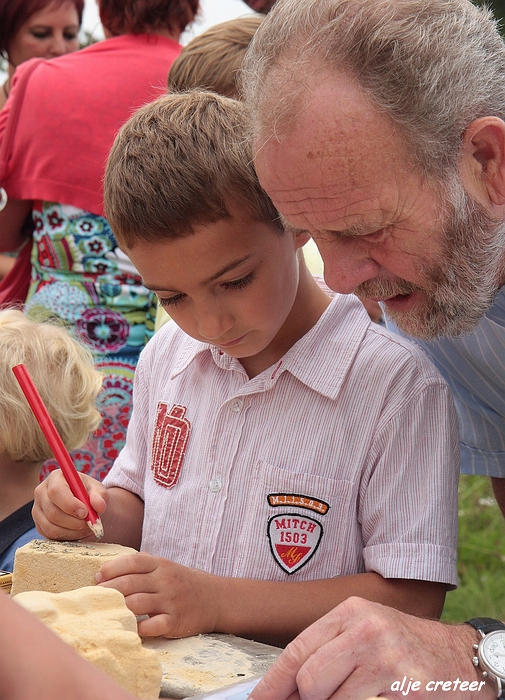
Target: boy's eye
170, 301
70, 36
242, 282
41, 35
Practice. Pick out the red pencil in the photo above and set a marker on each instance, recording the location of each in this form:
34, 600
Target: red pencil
57, 445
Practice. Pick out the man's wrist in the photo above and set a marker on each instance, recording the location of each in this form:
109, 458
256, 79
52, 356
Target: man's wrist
463, 639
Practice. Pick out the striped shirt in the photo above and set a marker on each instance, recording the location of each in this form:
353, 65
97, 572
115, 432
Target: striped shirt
474, 367
339, 459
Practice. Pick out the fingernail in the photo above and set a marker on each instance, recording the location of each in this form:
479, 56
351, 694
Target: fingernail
80, 513
98, 577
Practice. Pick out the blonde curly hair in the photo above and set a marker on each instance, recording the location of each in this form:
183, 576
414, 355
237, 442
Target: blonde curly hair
65, 377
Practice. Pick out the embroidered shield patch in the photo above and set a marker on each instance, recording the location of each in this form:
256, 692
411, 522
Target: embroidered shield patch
170, 437
294, 539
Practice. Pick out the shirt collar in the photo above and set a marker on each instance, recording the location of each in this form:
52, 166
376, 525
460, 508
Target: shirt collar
320, 359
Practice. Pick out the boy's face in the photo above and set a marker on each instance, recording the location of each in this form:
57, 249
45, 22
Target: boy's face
233, 283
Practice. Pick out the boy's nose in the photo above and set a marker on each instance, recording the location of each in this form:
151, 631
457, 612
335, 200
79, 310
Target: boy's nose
213, 325
346, 264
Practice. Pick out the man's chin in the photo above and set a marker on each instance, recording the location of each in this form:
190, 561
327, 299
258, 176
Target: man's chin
429, 324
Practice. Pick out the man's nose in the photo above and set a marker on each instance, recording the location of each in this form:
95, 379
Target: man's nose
346, 264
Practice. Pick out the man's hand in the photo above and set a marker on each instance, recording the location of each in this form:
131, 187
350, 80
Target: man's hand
180, 601
360, 649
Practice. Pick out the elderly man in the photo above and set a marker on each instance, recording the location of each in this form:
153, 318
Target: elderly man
379, 127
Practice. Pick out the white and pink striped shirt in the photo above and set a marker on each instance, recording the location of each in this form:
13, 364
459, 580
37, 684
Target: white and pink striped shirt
340, 459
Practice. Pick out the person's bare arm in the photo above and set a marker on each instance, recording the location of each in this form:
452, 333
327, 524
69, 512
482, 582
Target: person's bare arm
276, 612
58, 515
181, 601
6, 265
498, 485
12, 219
361, 648
35, 663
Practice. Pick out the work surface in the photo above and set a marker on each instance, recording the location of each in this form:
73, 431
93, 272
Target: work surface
197, 665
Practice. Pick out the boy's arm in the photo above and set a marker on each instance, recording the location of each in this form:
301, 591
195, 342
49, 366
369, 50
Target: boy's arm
181, 601
12, 218
59, 515
276, 612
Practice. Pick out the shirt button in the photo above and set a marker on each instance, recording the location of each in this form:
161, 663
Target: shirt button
236, 405
215, 484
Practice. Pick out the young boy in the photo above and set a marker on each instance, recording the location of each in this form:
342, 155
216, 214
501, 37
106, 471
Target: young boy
63, 372
284, 453
212, 61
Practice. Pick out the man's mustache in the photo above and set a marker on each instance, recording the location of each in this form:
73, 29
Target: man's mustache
385, 288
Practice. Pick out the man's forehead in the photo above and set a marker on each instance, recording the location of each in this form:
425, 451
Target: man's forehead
334, 162
351, 210
327, 187
333, 127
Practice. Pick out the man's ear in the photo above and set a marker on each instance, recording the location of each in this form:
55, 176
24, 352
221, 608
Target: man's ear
483, 162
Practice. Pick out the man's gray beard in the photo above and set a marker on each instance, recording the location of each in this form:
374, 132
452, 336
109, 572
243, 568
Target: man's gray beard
460, 289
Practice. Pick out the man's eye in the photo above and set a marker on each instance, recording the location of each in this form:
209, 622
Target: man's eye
377, 236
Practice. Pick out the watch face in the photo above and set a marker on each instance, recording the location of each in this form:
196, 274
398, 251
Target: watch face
492, 649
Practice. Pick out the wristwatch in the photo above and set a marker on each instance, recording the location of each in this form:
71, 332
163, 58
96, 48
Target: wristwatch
490, 655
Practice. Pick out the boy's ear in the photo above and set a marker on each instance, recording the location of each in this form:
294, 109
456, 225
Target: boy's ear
301, 238
483, 163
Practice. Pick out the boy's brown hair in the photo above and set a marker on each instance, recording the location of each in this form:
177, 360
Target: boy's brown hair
180, 162
212, 59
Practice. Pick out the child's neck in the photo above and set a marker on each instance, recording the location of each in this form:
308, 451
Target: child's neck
308, 307
18, 480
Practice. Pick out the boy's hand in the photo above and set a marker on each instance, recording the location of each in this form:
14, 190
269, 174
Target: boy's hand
180, 602
59, 515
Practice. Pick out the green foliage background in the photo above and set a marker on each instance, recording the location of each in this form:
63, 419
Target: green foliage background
481, 554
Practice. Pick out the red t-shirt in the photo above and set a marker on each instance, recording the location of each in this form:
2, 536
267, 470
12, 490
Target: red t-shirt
73, 108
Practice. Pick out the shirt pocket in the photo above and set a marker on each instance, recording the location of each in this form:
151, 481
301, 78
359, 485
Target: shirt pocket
297, 526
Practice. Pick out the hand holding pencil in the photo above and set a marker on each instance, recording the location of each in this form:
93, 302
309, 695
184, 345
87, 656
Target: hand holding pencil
57, 446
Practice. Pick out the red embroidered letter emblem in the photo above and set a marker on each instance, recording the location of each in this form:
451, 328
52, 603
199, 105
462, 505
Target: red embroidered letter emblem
170, 437
294, 539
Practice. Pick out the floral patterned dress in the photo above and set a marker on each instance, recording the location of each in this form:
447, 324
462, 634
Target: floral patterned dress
81, 278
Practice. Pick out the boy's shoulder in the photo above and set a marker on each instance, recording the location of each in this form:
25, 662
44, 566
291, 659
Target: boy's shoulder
171, 346
398, 357
354, 342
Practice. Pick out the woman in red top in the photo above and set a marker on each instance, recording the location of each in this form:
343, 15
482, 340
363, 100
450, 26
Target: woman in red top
72, 108
32, 28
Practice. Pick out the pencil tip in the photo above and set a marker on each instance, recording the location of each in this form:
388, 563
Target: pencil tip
96, 528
